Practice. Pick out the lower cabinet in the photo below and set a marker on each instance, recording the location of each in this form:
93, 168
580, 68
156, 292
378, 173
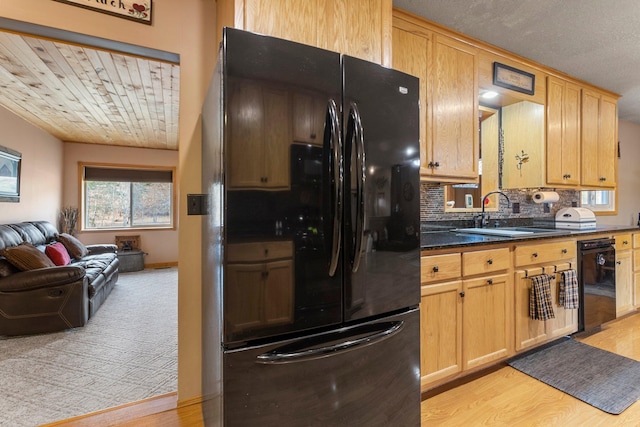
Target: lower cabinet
530, 332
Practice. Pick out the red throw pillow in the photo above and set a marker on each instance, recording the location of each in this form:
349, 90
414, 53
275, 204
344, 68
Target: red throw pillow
58, 254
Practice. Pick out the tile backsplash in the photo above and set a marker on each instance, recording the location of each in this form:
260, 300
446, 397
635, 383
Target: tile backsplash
432, 205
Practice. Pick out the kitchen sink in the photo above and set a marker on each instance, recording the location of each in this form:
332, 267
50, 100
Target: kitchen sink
514, 231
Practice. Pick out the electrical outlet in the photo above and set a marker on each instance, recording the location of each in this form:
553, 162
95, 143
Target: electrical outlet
546, 208
515, 207
196, 204
574, 204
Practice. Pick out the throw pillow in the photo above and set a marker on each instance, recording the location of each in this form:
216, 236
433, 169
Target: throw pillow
25, 257
74, 246
58, 253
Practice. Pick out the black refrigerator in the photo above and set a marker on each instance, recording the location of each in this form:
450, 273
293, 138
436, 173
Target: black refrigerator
311, 268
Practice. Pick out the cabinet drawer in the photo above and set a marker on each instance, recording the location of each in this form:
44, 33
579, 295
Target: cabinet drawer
259, 251
623, 242
486, 261
545, 252
437, 268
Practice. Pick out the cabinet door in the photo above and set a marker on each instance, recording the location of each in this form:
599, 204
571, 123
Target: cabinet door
287, 19
277, 139
246, 123
244, 296
485, 313
278, 293
357, 28
599, 144
563, 132
565, 321
454, 110
308, 118
529, 332
440, 331
410, 52
624, 283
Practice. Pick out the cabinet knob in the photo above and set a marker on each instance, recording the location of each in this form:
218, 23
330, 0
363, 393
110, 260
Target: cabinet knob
564, 251
490, 281
313, 136
618, 262
266, 252
437, 164
535, 254
603, 179
625, 242
462, 294
490, 261
435, 269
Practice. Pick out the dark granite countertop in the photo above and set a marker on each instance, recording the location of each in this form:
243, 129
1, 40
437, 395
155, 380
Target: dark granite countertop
443, 239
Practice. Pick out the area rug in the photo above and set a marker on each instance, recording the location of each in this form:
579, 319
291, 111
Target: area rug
127, 352
602, 379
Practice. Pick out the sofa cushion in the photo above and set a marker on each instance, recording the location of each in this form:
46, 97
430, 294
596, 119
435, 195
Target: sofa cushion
29, 233
25, 257
9, 237
57, 253
47, 229
74, 246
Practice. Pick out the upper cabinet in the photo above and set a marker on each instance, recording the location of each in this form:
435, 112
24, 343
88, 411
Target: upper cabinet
563, 132
599, 139
448, 72
356, 28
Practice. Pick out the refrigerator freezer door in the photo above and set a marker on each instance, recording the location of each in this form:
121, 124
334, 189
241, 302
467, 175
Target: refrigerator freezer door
282, 274
366, 375
382, 193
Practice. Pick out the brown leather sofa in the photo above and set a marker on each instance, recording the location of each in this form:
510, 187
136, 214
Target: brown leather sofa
53, 298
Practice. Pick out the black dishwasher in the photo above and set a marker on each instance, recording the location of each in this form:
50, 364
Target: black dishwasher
597, 282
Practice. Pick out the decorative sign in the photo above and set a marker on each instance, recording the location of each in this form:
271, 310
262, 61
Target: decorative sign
514, 79
135, 10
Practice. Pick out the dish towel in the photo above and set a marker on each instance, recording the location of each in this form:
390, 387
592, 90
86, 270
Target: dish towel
540, 305
568, 289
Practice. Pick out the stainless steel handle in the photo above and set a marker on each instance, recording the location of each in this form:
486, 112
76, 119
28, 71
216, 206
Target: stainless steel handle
335, 145
295, 355
358, 145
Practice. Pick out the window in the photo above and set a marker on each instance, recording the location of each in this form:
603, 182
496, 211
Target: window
598, 200
118, 197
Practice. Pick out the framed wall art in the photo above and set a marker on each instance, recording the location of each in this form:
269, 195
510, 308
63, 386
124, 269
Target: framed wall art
136, 10
514, 79
10, 164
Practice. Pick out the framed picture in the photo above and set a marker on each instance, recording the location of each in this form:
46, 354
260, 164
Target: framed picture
134, 10
514, 79
128, 243
10, 163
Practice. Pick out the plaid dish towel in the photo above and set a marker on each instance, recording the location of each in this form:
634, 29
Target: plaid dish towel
540, 305
568, 289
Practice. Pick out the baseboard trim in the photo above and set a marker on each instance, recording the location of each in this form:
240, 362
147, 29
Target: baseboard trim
123, 413
161, 265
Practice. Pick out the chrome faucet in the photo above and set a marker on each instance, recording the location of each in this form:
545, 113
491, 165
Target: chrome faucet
484, 218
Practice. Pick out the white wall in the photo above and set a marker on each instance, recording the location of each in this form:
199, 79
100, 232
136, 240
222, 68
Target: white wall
628, 176
161, 246
41, 174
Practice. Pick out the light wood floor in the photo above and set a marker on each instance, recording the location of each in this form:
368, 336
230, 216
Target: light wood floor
505, 397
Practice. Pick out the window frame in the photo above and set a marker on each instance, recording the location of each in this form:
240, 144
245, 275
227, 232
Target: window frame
82, 195
610, 209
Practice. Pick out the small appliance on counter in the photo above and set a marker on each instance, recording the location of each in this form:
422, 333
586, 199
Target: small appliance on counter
576, 219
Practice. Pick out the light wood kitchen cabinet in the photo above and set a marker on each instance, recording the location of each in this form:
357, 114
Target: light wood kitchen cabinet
361, 29
448, 72
453, 143
599, 129
259, 290
465, 312
624, 275
440, 331
486, 320
563, 132
542, 258
636, 269
258, 153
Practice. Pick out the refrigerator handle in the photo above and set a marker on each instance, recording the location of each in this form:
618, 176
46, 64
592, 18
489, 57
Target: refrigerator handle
361, 169
335, 143
304, 353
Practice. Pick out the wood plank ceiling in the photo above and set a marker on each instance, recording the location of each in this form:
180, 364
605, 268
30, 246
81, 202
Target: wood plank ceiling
82, 94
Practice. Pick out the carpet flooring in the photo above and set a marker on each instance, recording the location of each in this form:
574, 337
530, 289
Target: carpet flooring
127, 352
605, 380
